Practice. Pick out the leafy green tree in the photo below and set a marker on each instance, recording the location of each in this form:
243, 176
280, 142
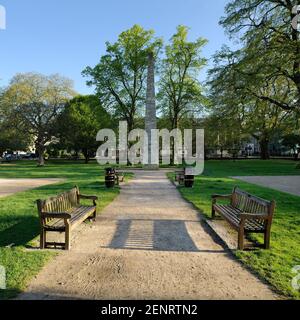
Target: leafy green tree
180, 92
257, 118
292, 141
269, 57
34, 102
263, 120
80, 122
223, 133
261, 80
11, 139
120, 77
234, 96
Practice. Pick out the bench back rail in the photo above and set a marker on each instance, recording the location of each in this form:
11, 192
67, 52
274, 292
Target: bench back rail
63, 213
246, 213
60, 204
249, 203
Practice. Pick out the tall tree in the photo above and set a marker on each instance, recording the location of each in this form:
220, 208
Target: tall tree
292, 141
223, 133
120, 77
35, 101
180, 91
80, 122
271, 49
233, 103
11, 139
263, 120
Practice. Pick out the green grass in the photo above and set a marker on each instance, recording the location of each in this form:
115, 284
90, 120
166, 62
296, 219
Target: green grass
251, 168
19, 223
274, 265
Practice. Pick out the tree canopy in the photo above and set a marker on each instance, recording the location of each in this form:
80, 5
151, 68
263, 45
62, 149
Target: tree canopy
269, 59
260, 81
120, 77
79, 123
180, 92
34, 101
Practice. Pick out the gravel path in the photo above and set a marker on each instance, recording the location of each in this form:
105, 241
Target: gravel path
11, 186
289, 184
148, 244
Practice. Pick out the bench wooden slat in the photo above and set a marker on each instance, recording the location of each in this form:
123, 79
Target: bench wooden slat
248, 195
79, 215
244, 202
233, 215
64, 204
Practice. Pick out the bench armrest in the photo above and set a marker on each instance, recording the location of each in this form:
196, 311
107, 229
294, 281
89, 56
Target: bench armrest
221, 196
263, 216
95, 198
56, 215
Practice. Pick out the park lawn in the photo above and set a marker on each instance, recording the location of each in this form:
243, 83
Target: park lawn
273, 265
19, 223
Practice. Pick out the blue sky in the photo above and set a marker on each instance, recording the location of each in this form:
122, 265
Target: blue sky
65, 36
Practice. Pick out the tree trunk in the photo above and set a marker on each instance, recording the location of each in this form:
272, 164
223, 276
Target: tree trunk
264, 148
175, 122
297, 152
41, 150
86, 156
130, 123
175, 125
76, 155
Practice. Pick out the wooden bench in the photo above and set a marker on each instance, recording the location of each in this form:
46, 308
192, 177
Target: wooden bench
246, 213
179, 176
185, 176
62, 214
119, 176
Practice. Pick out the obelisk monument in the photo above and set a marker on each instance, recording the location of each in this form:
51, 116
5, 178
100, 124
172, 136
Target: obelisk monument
150, 120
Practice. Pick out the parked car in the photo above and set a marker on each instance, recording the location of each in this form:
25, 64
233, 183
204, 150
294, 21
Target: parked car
29, 156
11, 157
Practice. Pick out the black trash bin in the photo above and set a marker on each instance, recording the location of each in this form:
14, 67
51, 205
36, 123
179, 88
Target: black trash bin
110, 177
189, 177
189, 181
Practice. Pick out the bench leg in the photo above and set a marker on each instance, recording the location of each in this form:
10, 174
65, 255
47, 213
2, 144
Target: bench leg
241, 239
67, 238
213, 212
43, 239
95, 216
267, 239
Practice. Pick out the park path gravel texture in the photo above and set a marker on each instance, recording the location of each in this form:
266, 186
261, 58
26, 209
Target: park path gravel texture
288, 184
11, 186
147, 244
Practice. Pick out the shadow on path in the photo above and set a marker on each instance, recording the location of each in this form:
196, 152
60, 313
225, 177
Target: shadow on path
154, 235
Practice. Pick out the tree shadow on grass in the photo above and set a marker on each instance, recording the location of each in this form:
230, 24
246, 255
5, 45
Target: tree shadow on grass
9, 293
21, 230
19, 224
